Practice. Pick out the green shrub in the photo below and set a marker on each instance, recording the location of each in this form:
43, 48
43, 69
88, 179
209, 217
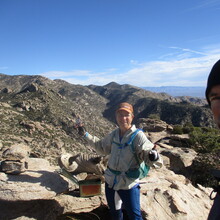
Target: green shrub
177, 129
187, 128
205, 140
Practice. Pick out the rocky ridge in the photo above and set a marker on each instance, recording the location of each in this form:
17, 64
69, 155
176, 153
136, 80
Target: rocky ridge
173, 110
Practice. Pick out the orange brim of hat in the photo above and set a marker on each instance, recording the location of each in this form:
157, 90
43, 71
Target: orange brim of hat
125, 109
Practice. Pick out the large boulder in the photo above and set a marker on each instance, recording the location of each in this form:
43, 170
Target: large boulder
38, 182
153, 125
16, 152
15, 159
180, 159
168, 196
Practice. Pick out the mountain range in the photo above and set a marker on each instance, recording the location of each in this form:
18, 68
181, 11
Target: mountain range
196, 91
43, 112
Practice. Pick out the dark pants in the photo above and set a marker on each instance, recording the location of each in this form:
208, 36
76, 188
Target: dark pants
130, 200
215, 210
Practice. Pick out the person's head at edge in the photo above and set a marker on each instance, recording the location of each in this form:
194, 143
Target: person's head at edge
124, 117
213, 91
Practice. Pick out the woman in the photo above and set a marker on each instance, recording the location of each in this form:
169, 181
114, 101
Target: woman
121, 189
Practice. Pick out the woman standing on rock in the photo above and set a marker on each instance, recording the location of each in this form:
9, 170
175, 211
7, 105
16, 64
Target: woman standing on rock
127, 148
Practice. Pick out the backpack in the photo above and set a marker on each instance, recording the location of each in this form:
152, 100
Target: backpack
139, 172
143, 169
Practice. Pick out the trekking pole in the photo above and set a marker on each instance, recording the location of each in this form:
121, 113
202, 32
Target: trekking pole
68, 175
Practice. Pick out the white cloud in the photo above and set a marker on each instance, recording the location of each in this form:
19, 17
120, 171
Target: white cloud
83, 77
63, 74
189, 68
185, 72
95, 80
188, 50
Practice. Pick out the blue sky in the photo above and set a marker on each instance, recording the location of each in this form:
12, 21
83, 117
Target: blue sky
139, 42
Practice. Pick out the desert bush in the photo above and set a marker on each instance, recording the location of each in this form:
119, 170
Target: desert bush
177, 129
187, 128
205, 140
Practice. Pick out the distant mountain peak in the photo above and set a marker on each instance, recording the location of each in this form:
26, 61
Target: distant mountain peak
112, 84
175, 91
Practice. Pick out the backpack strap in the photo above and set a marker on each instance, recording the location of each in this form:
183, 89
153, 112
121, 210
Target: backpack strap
129, 142
132, 137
